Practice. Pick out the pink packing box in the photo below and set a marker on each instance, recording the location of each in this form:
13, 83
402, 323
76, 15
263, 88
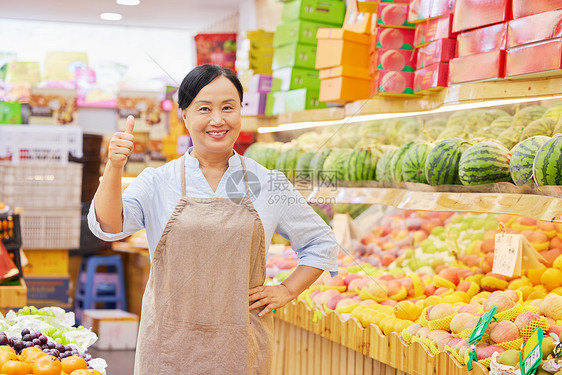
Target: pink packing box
431, 78
253, 104
394, 15
486, 39
260, 83
396, 60
472, 14
536, 28
435, 29
421, 10
395, 83
479, 67
391, 38
440, 51
524, 8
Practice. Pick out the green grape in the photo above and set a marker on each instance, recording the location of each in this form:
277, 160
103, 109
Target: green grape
59, 340
33, 310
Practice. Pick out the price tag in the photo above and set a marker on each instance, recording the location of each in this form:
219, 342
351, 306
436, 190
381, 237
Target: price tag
507, 254
478, 332
531, 355
558, 350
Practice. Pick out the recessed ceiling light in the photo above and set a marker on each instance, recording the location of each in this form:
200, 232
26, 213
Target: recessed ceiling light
128, 2
111, 16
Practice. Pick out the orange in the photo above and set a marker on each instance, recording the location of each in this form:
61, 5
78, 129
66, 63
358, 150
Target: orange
85, 372
551, 278
7, 348
6, 356
47, 365
31, 354
72, 363
16, 368
534, 276
407, 310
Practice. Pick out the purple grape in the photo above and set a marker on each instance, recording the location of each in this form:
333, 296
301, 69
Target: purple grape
36, 342
37, 346
36, 334
18, 345
55, 353
67, 348
25, 331
48, 351
51, 344
59, 347
27, 337
28, 344
43, 339
10, 341
3, 340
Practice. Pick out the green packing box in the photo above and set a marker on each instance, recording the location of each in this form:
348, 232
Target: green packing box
290, 101
10, 113
298, 55
286, 79
297, 31
327, 11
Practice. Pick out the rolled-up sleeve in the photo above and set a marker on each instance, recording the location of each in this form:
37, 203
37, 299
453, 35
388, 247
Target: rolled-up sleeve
135, 197
310, 236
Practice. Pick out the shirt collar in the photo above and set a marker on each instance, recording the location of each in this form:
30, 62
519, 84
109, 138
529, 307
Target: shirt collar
190, 161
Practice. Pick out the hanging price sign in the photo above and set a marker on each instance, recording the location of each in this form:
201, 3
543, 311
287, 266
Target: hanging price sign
531, 355
477, 334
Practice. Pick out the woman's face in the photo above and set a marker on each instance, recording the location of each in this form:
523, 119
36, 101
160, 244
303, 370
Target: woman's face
213, 117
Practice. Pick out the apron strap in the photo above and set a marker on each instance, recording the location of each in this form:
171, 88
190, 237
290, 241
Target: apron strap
182, 174
245, 175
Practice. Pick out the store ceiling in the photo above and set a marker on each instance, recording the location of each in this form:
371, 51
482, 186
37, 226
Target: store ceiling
191, 15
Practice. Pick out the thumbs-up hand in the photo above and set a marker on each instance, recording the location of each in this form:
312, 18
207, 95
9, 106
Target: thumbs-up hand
121, 145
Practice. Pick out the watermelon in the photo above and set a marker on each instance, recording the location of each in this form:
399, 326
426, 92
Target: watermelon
510, 137
413, 166
557, 128
458, 119
303, 164
542, 126
455, 132
397, 161
317, 163
334, 166
442, 163
547, 167
287, 162
383, 172
484, 163
554, 113
527, 115
484, 117
522, 158
495, 128
270, 156
361, 165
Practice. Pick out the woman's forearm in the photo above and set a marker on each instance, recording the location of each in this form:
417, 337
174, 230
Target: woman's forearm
108, 203
301, 279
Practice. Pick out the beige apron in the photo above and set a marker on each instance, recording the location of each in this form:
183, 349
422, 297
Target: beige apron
195, 317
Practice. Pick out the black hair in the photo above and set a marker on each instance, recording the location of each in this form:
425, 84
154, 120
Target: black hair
200, 77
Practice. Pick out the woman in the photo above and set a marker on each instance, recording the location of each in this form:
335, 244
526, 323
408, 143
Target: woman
209, 217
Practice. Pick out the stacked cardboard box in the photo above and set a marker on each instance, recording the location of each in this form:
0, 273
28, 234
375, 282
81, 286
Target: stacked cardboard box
255, 98
47, 278
254, 55
296, 83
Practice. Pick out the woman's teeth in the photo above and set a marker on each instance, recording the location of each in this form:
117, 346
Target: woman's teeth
218, 133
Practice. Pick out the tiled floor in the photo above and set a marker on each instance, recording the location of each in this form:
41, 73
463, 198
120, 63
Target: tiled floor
119, 362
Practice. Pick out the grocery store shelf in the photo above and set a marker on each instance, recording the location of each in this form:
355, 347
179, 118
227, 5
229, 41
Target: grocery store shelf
540, 207
252, 123
327, 114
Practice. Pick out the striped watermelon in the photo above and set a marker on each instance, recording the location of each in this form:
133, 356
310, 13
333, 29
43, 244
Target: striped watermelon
317, 163
557, 128
510, 137
334, 166
270, 156
413, 166
542, 126
303, 164
361, 165
397, 161
547, 168
554, 113
527, 115
455, 132
287, 162
383, 171
522, 158
495, 128
484, 163
442, 163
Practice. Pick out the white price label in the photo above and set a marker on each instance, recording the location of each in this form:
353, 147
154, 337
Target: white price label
507, 254
532, 358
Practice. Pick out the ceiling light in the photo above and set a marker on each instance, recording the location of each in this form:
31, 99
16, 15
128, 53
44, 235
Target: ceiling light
111, 16
128, 2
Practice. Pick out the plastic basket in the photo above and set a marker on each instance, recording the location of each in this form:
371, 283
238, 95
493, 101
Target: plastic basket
40, 143
41, 186
51, 229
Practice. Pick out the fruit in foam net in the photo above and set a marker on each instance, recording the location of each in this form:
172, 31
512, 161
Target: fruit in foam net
486, 352
471, 308
462, 346
509, 357
423, 332
556, 329
504, 331
525, 319
499, 299
470, 324
459, 321
439, 311
551, 307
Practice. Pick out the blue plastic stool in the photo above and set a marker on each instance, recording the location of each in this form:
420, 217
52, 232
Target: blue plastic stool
94, 287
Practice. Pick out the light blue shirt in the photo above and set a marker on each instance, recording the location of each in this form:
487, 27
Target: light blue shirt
148, 202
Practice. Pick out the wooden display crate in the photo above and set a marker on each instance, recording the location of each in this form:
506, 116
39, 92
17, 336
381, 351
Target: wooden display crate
13, 297
332, 346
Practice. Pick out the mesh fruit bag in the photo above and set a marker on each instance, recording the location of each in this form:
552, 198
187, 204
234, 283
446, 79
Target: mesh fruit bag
431, 346
533, 309
407, 337
423, 318
511, 314
443, 323
493, 283
439, 282
466, 333
515, 344
455, 354
485, 362
530, 328
473, 290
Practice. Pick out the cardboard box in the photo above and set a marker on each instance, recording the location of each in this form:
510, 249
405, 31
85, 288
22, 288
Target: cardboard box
397, 60
431, 78
341, 47
295, 78
294, 100
344, 84
535, 60
48, 291
260, 83
390, 38
421, 10
297, 31
373, 63
432, 30
524, 8
472, 14
299, 55
486, 39
13, 296
356, 20
326, 11
53, 107
536, 28
371, 6
116, 329
253, 104
394, 15
46, 263
480, 67
440, 51
395, 83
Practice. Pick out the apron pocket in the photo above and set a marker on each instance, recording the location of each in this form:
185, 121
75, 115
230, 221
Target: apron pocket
206, 349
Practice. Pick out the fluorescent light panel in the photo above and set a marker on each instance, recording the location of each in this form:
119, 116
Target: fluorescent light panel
128, 2
111, 16
385, 116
